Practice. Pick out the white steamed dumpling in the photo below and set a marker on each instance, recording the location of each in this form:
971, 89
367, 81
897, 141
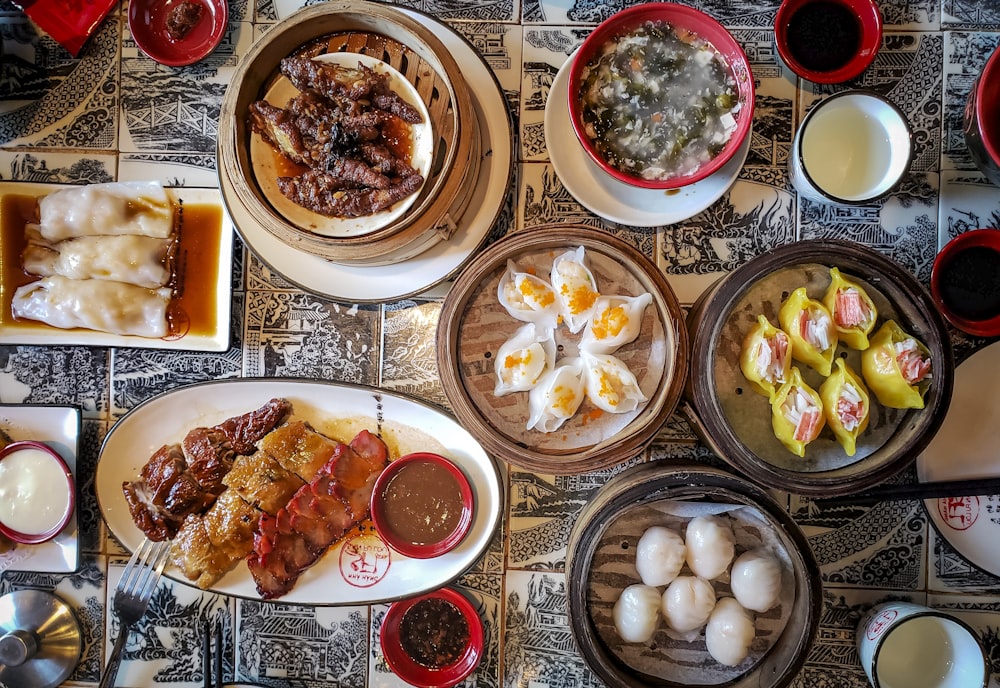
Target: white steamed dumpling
710, 545
556, 397
615, 322
687, 603
729, 632
528, 298
637, 613
523, 359
755, 580
610, 385
659, 555
575, 288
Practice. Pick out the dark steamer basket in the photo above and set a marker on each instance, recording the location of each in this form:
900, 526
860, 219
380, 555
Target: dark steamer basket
734, 420
644, 486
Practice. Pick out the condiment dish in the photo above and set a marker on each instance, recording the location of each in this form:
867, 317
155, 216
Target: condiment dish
32, 473
147, 22
965, 282
828, 41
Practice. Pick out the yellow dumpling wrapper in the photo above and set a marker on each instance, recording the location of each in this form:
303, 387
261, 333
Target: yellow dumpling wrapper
809, 326
897, 367
852, 310
766, 357
796, 413
846, 405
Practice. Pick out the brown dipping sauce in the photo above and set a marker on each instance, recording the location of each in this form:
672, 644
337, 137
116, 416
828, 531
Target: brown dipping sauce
434, 633
422, 503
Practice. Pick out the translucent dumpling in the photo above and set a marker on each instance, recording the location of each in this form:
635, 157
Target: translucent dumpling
527, 297
687, 603
729, 632
637, 613
659, 555
615, 322
710, 545
523, 359
575, 287
756, 580
610, 385
556, 397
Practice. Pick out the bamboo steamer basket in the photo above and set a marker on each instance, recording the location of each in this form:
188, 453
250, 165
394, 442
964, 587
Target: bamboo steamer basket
735, 421
473, 325
384, 33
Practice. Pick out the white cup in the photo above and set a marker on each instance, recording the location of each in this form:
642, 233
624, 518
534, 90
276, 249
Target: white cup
853, 147
905, 645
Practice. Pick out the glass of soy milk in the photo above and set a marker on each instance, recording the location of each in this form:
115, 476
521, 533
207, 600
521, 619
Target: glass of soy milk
851, 148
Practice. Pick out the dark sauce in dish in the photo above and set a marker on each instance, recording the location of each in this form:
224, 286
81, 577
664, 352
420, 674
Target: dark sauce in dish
434, 633
970, 283
823, 36
423, 503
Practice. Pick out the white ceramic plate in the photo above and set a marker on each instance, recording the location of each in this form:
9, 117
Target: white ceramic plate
603, 195
367, 284
59, 428
964, 448
29, 332
364, 573
263, 156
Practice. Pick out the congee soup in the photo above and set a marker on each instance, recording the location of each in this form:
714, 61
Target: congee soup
658, 103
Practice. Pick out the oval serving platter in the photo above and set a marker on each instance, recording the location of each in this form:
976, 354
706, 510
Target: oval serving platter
358, 569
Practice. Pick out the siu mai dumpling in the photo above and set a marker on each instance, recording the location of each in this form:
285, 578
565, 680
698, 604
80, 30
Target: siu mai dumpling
113, 307
102, 209
796, 413
136, 259
575, 287
528, 297
616, 321
846, 405
809, 325
610, 385
523, 359
556, 397
766, 357
897, 367
852, 310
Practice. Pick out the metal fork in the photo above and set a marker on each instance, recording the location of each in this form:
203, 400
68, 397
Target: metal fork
132, 597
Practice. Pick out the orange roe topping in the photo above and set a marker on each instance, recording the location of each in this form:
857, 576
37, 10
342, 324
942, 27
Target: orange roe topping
579, 299
609, 323
536, 292
563, 398
608, 391
592, 415
521, 357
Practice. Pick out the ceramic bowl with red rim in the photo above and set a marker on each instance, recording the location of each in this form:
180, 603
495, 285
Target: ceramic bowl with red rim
177, 33
828, 41
965, 282
37, 492
646, 69
981, 119
434, 640
422, 505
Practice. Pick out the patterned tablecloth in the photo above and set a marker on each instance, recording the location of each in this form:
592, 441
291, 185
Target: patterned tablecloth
114, 114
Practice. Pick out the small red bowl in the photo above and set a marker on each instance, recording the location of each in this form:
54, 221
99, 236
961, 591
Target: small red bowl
407, 668
396, 505
961, 290
147, 21
679, 17
70, 486
981, 119
870, 25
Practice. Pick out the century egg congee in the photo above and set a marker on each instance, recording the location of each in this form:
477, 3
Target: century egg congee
657, 102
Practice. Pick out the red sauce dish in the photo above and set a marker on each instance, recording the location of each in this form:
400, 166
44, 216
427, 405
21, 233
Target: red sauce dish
150, 21
434, 640
965, 282
422, 505
828, 41
37, 492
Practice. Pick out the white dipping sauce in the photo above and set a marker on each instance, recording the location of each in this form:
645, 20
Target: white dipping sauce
34, 496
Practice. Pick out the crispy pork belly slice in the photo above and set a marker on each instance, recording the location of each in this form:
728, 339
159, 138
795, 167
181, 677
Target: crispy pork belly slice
298, 448
193, 552
231, 524
261, 481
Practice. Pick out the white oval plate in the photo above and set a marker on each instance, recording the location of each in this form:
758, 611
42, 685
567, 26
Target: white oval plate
966, 448
358, 569
263, 157
603, 195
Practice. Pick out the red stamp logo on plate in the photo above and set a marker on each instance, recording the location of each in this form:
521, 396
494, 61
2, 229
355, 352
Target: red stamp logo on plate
959, 513
364, 560
881, 622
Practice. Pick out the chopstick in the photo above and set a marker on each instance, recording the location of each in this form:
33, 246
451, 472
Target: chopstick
971, 487
218, 654
211, 665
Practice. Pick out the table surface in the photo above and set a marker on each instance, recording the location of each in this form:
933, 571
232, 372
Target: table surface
114, 114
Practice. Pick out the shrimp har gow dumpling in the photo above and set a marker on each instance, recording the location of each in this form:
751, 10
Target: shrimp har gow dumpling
616, 321
637, 613
556, 397
755, 580
523, 359
687, 603
659, 555
527, 297
610, 385
729, 632
711, 545
575, 288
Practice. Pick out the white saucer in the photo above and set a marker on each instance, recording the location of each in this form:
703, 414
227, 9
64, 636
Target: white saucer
603, 195
369, 284
965, 448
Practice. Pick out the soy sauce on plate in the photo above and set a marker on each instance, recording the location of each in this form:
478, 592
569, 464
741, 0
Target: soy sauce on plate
823, 36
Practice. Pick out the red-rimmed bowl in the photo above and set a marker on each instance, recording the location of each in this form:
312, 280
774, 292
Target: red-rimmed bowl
965, 282
393, 641
422, 505
681, 18
981, 119
147, 22
869, 27
57, 478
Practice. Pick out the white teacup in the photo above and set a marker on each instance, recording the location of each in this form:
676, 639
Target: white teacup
853, 147
905, 645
